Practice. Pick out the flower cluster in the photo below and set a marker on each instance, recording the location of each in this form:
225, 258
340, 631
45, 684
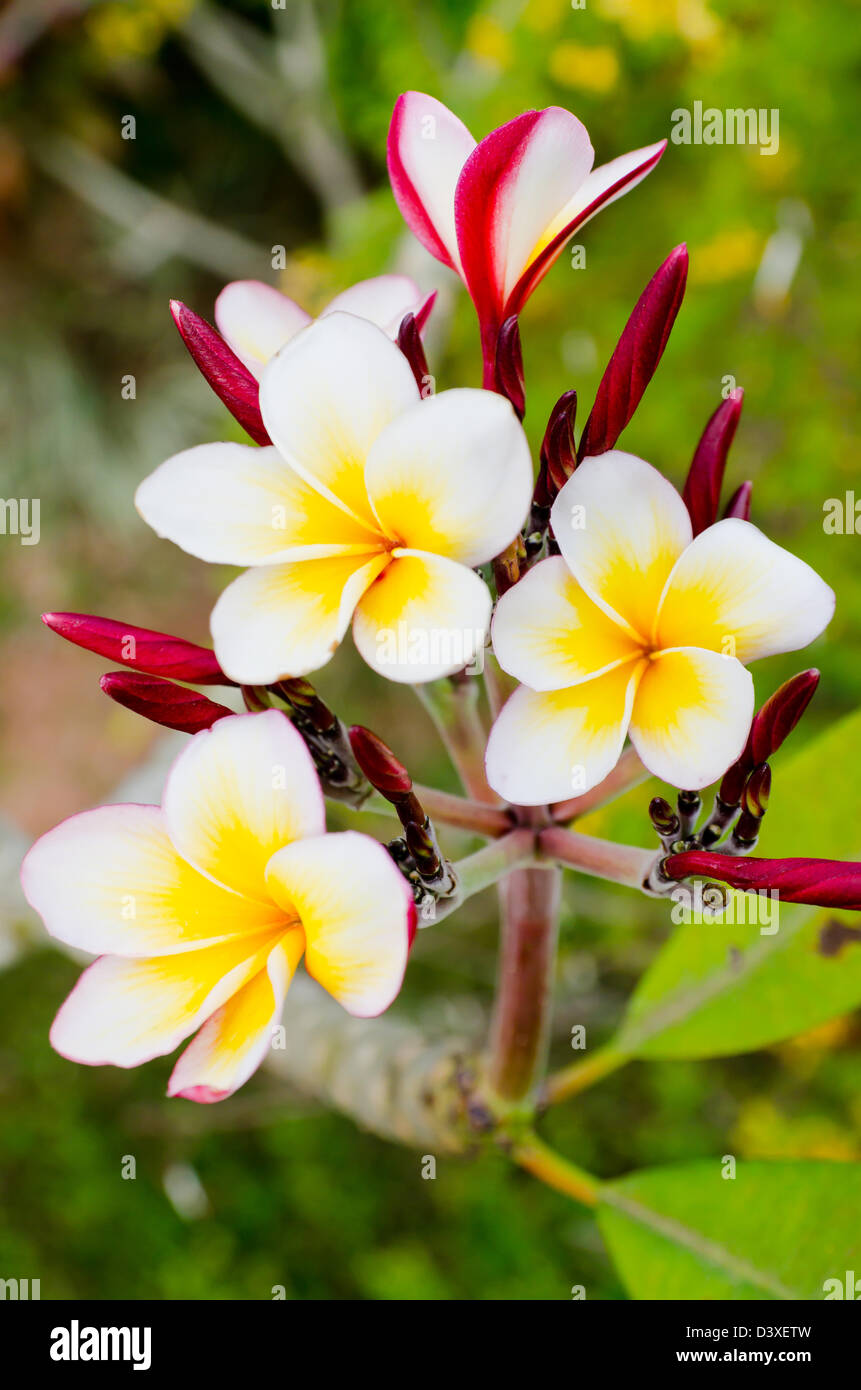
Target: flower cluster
625, 610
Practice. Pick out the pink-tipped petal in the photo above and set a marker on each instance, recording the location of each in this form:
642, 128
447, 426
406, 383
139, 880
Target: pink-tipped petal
427, 149
256, 320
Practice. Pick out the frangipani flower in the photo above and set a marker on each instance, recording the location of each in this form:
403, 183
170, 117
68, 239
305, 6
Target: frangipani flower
256, 319
500, 212
372, 505
637, 628
201, 909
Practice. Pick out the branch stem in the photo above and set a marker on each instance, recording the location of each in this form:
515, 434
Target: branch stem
529, 901
580, 1075
624, 864
628, 772
551, 1168
453, 707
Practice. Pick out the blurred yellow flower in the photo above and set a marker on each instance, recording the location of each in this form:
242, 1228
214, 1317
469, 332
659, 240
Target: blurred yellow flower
730, 254
488, 41
692, 20
591, 69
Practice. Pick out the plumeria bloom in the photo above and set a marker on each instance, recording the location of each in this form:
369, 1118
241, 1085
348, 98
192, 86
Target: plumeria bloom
500, 212
371, 505
201, 909
639, 629
256, 319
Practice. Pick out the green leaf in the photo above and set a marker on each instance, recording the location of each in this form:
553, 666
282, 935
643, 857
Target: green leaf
775, 1231
723, 988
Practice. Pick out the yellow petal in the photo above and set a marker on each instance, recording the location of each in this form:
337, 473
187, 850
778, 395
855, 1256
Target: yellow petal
691, 715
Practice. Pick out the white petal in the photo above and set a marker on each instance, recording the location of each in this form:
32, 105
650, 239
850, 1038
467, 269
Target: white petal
287, 620
384, 300
234, 1041
691, 715
735, 591
110, 880
235, 505
424, 617
549, 634
550, 745
452, 476
427, 149
621, 527
125, 1012
256, 320
603, 186
239, 791
356, 919
327, 396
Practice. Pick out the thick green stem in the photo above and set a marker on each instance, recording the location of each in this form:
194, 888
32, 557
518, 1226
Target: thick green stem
529, 900
551, 1168
453, 707
580, 1075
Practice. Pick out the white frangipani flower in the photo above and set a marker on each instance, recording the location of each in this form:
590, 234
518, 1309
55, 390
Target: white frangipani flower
256, 319
373, 505
638, 629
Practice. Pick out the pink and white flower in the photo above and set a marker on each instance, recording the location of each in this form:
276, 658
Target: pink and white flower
256, 319
639, 629
201, 909
500, 212
372, 506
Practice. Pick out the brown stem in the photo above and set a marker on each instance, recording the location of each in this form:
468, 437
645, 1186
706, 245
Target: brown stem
601, 858
627, 773
460, 811
529, 900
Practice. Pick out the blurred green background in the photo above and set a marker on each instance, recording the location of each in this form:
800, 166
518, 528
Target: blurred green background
258, 127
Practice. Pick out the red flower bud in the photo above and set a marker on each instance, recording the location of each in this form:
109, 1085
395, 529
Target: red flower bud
739, 504
637, 354
509, 366
379, 764
410, 344
229, 378
558, 450
779, 716
818, 882
163, 702
141, 648
705, 477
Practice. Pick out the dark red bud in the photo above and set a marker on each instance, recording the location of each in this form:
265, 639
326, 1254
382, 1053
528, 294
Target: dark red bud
140, 648
705, 476
229, 378
410, 344
819, 882
558, 450
779, 715
739, 504
422, 313
755, 796
509, 366
379, 764
663, 817
637, 354
172, 706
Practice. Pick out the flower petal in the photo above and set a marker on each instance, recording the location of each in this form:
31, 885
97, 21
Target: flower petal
549, 634
110, 880
550, 745
327, 395
256, 320
691, 715
452, 476
621, 527
513, 185
735, 591
124, 1012
427, 148
356, 920
383, 300
424, 617
234, 1041
239, 791
287, 620
598, 190
234, 505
